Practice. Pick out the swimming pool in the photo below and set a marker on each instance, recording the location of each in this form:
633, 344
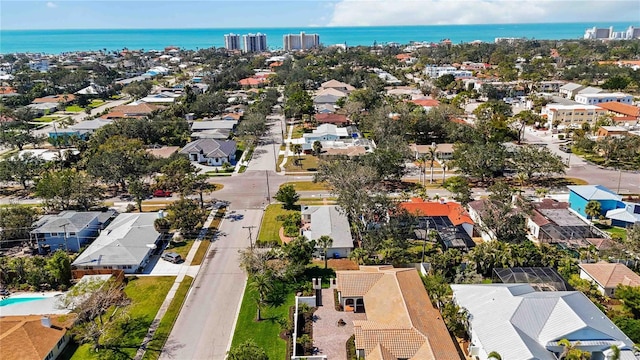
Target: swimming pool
19, 300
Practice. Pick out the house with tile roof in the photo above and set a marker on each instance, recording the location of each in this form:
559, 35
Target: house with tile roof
69, 230
580, 195
401, 323
211, 152
330, 221
131, 111
335, 84
126, 244
520, 323
34, 337
607, 276
622, 113
60, 99
330, 118
450, 220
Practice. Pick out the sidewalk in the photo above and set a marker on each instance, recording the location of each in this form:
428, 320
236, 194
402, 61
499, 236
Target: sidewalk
185, 270
286, 151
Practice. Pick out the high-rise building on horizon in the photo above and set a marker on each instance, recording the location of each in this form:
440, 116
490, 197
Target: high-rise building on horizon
232, 41
254, 42
300, 41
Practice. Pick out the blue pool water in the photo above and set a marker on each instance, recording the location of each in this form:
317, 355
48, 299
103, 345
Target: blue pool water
19, 300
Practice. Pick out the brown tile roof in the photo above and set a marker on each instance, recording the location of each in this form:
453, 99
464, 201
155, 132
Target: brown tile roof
54, 99
124, 111
620, 108
401, 322
331, 119
609, 275
164, 152
24, 337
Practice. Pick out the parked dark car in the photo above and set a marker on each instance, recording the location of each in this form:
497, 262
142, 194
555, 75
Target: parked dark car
161, 193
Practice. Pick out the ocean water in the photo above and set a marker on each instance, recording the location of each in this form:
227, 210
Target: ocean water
58, 41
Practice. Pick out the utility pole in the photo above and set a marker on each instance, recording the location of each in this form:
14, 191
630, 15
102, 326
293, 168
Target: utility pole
619, 179
64, 236
250, 238
268, 191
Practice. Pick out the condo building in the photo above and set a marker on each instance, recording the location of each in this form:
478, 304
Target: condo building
300, 41
254, 42
232, 41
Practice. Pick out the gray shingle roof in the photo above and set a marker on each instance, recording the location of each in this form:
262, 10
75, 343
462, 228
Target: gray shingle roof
571, 87
126, 241
210, 147
72, 221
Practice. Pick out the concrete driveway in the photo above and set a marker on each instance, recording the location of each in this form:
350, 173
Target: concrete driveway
160, 267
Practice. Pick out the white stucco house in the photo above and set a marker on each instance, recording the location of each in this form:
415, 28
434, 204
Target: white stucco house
211, 152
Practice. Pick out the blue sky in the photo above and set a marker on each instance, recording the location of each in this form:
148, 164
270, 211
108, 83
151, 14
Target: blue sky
109, 14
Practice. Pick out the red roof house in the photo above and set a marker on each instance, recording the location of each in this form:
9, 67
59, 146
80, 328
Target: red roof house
336, 119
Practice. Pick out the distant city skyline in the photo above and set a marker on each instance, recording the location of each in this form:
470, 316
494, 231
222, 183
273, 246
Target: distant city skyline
147, 14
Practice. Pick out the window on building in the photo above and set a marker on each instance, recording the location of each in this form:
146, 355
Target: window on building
72, 234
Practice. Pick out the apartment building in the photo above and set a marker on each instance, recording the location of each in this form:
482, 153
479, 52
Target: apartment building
596, 33
300, 41
254, 42
594, 99
232, 41
572, 115
436, 71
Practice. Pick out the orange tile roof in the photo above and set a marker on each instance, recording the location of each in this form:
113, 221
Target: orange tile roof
5, 90
609, 275
426, 102
55, 99
620, 108
252, 81
24, 337
454, 211
275, 64
403, 57
401, 322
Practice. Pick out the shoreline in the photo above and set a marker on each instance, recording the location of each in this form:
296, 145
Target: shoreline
65, 41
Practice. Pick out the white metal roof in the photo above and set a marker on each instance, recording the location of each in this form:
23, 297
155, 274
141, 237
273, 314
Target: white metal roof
521, 323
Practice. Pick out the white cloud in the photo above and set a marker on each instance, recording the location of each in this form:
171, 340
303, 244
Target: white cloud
51, 5
440, 12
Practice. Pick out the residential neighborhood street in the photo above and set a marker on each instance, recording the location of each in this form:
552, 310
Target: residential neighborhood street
204, 328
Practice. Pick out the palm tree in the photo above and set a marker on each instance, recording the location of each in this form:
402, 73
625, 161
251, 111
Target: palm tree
422, 163
615, 353
297, 149
432, 158
261, 283
325, 242
494, 355
593, 209
571, 351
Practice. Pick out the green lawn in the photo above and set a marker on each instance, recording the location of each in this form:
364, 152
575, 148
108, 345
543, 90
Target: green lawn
166, 324
46, 119
269, 230
182, 247
95, 103
307, 185
613, 230
307, 163
265, 333
297, 132
147, 294
74, 108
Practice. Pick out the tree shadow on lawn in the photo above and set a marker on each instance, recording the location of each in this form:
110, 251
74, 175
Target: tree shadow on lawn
278, 294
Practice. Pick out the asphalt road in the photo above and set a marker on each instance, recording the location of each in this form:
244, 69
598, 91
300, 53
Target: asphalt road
622, 182
205, 326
